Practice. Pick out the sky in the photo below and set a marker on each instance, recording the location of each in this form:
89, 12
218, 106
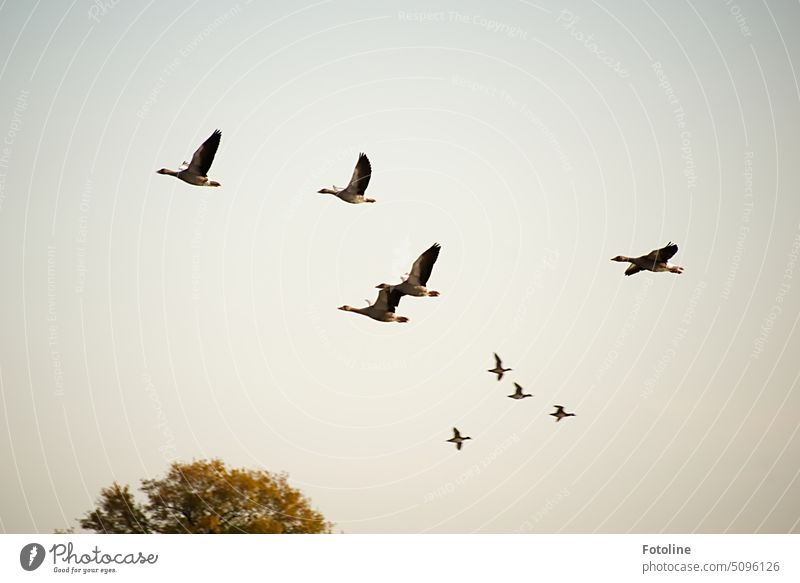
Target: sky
147, 321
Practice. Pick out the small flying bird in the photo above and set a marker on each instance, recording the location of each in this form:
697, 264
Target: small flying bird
383, 308
457, 439
196, 171
559, 413
498, 369
656, 260
518, 394
354, 192
414, 284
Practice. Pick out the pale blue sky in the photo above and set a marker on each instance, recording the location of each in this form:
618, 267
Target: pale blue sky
145, 320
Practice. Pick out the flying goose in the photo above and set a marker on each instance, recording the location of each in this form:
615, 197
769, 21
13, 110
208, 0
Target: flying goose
518, 394
414, 284
383, 308
195, 173
559, 413
457, 439
354, 193
498, 369
656, 260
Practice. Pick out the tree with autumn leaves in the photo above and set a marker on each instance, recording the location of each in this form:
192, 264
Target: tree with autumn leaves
207, 497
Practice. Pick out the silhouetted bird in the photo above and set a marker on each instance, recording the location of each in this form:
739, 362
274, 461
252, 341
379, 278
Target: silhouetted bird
518, 394
196, 171
559, 413
383, 308
354, 192
414, 284
656, 260
498, 369
457, 439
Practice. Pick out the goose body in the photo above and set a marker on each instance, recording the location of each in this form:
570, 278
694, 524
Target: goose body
657, 260
498, 368
518, 394
457, 439
559, 413
196, 171
383, 308
354, 191
415, 283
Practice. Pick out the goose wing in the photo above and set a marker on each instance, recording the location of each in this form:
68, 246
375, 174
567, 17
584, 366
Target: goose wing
559, 409
388, 299
519, 389
632, 268
662, 255
361, 174
667, 252
497, 361
204, 156
456, 434
423, 266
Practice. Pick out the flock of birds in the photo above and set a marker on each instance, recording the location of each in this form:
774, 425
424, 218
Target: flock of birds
416, 281
518, 394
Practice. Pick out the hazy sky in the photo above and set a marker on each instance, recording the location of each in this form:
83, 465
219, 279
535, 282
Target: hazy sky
145, 320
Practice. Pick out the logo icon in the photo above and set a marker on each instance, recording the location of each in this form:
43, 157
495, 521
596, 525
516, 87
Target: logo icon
31, 556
